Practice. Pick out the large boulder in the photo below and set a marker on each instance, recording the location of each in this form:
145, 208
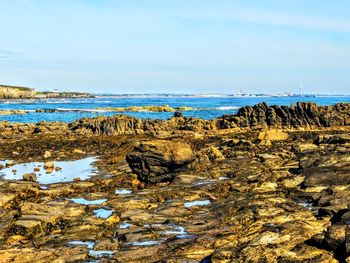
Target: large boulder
157, 161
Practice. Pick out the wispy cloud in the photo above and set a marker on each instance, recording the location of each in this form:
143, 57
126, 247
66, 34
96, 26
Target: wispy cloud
273, 18
5, 54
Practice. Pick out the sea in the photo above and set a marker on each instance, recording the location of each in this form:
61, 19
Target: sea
205, 107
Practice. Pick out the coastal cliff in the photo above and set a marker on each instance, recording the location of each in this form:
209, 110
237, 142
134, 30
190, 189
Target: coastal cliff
10, 92
15, 92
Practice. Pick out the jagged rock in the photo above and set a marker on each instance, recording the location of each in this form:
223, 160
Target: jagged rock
304, 114
156, 161
178, 114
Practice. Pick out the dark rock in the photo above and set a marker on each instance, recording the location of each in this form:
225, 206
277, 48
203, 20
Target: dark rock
178, 114
335, 236
333, 139
155, 161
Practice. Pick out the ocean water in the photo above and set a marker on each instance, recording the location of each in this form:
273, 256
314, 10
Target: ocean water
205, 107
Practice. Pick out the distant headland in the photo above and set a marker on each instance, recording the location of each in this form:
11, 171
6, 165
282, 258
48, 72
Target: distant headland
16, 92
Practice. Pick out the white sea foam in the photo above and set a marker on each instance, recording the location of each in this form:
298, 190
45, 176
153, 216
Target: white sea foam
228, 108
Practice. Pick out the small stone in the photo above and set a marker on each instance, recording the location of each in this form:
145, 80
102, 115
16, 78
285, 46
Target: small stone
47, 154
78, 151
36, 169
14, 170
15, 153
113, 219
29, 177
57, 168
76, 179
9, 163
48, 165
135, 182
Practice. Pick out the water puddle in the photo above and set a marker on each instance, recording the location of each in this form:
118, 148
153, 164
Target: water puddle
83, 201
100, 253
171, 230
204, 182
306, 204
123, 191
125, 225
223, 178
179, 232
90, 246
197, 203
63, 171
143, 243
103, 213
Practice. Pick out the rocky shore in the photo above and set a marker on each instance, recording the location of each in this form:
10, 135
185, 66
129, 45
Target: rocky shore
268, 184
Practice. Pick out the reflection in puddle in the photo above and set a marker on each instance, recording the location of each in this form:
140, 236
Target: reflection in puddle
223, 178
179, 231
176, 231
125, 225
100, 253
204, 182
143, 243
123, 191
69, 170
103, 213
83, 201
306, 204
197, 203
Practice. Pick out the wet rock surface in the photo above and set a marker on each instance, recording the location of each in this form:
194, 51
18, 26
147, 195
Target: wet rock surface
199, 193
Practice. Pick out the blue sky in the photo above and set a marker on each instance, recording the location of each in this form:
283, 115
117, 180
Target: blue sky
176, 46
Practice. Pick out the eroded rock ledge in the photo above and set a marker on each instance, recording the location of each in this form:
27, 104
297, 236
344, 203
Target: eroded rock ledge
303, 115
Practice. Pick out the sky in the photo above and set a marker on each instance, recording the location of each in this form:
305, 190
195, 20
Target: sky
176, 46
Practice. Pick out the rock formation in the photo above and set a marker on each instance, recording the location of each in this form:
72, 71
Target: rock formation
158, 160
